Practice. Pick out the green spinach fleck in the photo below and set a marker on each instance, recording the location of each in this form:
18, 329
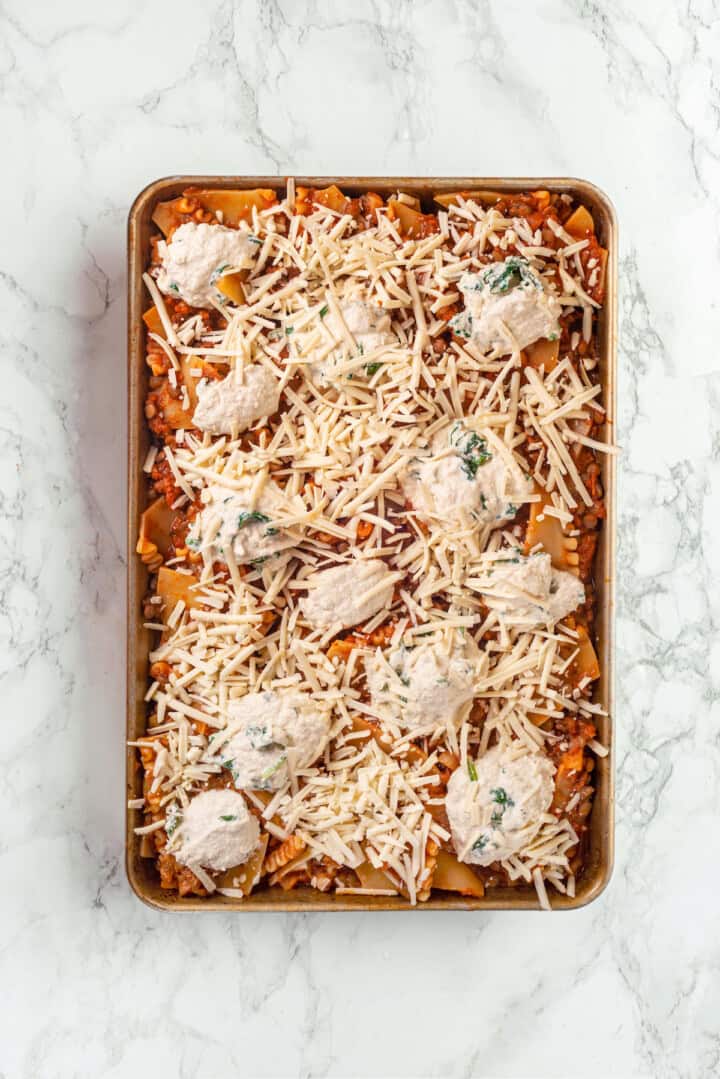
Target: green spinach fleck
273, 768
503, 801
515, 271
258, 735
472, 449
251, 517
501, 796
218, 272
173, 817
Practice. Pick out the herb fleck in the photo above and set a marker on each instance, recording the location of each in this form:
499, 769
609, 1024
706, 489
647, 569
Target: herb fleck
251, 517
501, 796
503, 801
273, 768
515, 271
472, 449
173, 817
219, 272
257, 735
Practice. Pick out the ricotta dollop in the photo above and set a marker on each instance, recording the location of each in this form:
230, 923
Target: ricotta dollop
507, 298
428, 685
216, 831
370, 326
529, 590
273, 730
464, 482
196, 256
229, 520
499, 813
347, 594
231, 405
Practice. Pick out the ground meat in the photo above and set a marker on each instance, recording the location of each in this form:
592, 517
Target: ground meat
574, 766
176, 877
587, 545
163, 481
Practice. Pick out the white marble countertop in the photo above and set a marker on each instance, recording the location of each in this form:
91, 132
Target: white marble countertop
96, 101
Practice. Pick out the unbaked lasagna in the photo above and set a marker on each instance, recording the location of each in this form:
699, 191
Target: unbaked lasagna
374, 501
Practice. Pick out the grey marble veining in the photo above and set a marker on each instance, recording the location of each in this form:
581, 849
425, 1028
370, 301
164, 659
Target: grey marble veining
95, 101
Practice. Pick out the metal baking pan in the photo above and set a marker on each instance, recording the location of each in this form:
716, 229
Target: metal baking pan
141, 872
